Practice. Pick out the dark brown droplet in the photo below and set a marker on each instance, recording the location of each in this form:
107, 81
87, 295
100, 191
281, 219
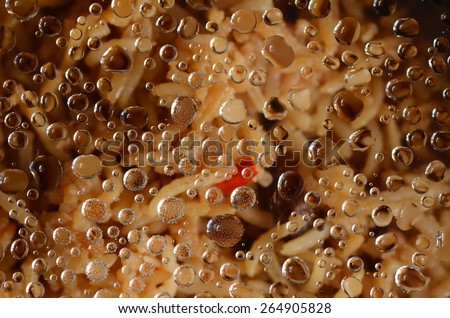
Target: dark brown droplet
225, 230
290, 185
440, 141
347, 31
134, 116
437, 64
47, 171
384, 7
441, 115
406, 27
50, 25
319, 8
117, 59
407, 51
441, 43
347, 105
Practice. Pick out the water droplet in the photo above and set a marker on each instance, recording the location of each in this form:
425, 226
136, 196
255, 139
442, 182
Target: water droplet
290, 185
243, 21
355, 264
352, 286
50, 25
351, 208
188, 28
362, 140
277, 51
416, 139
347, 31
62, 236
168, 53
35, 289
219, 44
57, 131
170, 210
382, 216
94, 210
117, 59
23, 10
435, 171
229, 271
122, 8
166, 23
406, 27
225, 230
384, 7
319, 8
386, 243
19, 249
96, 270
347, 105
410, 279
375, 49
402, 156
272, 16
86, 166
184, 275
296, 270
18, 140
233, 111
26, 62
134, 117
440, 141
274, 109
243, 198
214, 196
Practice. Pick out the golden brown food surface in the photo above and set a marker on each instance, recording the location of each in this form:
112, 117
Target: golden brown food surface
224, 148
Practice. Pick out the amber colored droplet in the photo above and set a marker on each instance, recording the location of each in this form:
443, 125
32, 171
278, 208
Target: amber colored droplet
406, 27
319, 8
47, 171
416, 139
166, 23
188, 28
394, 183
7, 39
441, 43
437, 64
290, 185
183, 110
398, 89
134, 116
296, 270
347, 31
78, 102
347, 105
13, 181
272, 16
362, 140
384, 7
403, 156
435, 171
243, 21
225, 230
117, 59
277, 51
